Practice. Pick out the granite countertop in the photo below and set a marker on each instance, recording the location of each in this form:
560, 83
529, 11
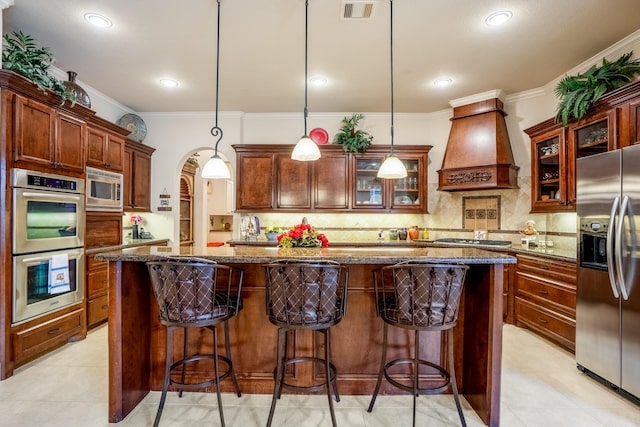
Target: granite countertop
248, 254
553, 253
134, 243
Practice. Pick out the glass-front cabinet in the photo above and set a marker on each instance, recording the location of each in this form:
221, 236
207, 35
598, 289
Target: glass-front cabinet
399, 195
593, 135
550, 175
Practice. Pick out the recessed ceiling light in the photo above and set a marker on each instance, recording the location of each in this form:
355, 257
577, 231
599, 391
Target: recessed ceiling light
168, 83
318, 81
443, 82
498, 18
98, 20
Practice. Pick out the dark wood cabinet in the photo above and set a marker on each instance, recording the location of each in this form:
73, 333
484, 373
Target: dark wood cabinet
293, 182
105, 150
269, 180
48, 137
634, 123
102, 230
137, 177
545, 298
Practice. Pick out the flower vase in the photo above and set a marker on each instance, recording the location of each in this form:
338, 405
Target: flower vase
134, 232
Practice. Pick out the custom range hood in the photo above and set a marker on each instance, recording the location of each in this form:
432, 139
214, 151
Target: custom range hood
478, 154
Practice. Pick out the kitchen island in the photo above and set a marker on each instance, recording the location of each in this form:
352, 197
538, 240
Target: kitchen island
136, 337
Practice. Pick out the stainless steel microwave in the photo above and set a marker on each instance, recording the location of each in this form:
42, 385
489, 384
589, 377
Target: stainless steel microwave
104, 190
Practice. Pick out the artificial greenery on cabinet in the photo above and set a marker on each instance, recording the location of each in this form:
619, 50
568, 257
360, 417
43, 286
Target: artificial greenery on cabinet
577, 93
22, 55
353, 140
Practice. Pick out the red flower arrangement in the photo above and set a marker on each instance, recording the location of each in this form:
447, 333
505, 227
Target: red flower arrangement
302, 236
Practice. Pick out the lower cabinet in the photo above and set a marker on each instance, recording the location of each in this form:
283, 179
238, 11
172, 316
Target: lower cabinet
545, 298
37, 340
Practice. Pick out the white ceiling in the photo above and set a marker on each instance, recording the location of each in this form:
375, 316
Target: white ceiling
262, 49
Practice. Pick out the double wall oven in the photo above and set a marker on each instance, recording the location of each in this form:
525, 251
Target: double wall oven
47, 243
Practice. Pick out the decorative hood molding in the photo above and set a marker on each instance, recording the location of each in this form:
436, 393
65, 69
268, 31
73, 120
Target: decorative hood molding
478, 154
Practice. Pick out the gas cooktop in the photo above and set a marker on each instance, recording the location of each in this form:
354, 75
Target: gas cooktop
503, 243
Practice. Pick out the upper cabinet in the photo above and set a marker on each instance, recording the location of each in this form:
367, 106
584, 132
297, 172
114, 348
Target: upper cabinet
47, 137
612, 123
105, 148
268, 180
137, 177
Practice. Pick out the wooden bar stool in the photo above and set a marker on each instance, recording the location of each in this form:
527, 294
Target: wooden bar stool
305, 296
419, 296
196, 293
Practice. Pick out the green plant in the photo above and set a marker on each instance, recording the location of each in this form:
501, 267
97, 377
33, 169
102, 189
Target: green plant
353, 140
21, 55
577, 93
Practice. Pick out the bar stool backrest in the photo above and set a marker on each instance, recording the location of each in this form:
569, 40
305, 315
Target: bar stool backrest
420, 294
305, 294
195, 291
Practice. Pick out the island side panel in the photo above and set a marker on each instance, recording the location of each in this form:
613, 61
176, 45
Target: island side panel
129, 337
482, 354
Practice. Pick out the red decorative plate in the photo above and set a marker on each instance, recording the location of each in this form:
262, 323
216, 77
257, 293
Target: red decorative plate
319, 135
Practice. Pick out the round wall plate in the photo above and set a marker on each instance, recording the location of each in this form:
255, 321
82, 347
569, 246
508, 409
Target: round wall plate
134, 124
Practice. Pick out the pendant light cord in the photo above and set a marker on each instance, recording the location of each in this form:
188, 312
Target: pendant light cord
306, 60
391, 50
216, 131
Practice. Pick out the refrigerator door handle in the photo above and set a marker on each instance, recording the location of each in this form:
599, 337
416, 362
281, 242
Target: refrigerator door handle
613, 281
626, 280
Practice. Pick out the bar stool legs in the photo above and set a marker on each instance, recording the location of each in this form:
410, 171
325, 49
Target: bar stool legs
384, 365
283, 361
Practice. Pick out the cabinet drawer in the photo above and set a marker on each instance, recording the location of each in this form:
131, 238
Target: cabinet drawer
557, 327
556, 295
550, 269
33, 341
97, 310
97, 282
94, 264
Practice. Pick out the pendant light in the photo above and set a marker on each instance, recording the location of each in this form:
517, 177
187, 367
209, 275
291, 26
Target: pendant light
216, 168
392, 167
306, 149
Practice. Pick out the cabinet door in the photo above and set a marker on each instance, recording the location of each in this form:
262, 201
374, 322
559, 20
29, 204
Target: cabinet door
549, 172
34, 132
141, 183
96, 147
70, 142
409, 194
634, 122
255, 176
127, 179
369, 189
114, 156
293, 183
332, 183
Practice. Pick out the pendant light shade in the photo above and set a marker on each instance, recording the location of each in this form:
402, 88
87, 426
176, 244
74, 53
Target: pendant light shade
306, 149
392, 168
216, 168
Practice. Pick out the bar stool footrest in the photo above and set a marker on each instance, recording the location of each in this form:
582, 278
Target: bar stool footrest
421, 391
197, 357
311, 388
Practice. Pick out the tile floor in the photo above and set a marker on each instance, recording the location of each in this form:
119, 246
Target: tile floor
540, 387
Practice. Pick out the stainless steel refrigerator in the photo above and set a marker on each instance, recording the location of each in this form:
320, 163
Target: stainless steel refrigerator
608, 304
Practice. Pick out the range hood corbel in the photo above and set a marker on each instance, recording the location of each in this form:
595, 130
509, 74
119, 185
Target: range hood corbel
478, 154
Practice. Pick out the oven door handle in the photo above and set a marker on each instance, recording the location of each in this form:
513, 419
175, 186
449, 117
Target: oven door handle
52, 196
611, 267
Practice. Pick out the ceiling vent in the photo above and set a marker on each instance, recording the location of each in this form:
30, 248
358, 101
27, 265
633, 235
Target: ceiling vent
357, 9
478, 154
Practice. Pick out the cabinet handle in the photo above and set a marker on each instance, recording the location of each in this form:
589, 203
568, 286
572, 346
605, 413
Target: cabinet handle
543, 292
104, 307
541, 320
53, 331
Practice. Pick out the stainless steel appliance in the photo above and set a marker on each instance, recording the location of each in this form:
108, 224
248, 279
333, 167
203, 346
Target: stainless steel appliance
32, 293
104, 190
48, 211
48, 238
608, 304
